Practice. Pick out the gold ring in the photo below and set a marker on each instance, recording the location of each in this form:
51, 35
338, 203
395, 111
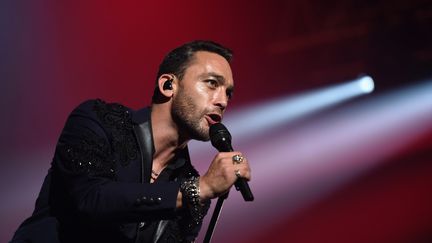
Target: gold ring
237, 159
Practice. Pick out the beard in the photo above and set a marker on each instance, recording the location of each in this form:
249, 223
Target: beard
188, 117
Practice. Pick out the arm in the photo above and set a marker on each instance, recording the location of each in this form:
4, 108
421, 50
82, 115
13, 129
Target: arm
84, 177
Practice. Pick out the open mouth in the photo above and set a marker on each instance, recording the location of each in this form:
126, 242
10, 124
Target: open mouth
214, 118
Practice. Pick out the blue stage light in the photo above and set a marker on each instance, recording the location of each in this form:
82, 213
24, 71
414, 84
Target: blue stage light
260, 118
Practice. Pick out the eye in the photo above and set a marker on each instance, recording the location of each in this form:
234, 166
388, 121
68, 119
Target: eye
229, 95
213, 83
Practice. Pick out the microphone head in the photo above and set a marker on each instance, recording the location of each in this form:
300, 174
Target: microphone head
220, 137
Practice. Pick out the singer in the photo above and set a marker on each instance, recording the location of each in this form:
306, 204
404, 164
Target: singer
120, 175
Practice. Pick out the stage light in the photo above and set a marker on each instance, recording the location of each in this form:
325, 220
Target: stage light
260, 118
366, 84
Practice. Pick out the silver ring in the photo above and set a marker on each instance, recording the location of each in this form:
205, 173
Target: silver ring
237, 173
237, 159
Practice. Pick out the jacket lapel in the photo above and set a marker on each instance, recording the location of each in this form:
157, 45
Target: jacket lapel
143, 132
144, 136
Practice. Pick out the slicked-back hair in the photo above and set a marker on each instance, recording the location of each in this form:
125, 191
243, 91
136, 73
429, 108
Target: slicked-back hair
177, 60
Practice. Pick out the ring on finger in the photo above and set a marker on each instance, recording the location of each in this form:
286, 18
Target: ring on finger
237, 173
237, 159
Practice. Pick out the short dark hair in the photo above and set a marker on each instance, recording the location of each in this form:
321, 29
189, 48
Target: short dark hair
177, 60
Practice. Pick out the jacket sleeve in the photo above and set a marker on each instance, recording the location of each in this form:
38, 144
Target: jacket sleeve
84, 177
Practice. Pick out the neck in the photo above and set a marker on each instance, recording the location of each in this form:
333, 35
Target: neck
166, 136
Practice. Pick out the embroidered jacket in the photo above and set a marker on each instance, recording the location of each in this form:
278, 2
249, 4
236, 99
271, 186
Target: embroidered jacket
98, 187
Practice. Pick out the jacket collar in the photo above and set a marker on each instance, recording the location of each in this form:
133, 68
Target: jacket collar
141, 116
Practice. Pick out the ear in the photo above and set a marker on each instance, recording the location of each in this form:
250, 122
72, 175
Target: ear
168, 93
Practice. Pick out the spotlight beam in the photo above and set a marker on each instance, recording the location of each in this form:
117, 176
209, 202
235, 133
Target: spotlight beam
260, 118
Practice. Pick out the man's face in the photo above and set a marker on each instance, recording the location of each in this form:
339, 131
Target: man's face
202, 95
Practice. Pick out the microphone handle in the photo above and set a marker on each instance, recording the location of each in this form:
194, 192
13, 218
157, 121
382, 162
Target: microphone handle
242, 186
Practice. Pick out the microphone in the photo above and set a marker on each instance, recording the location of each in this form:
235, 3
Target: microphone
221, 140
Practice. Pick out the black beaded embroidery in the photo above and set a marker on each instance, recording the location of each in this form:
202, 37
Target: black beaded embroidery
197, 210
92, 156
117, 119
185, 227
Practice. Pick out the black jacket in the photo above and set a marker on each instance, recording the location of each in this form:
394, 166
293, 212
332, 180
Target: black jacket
98, 190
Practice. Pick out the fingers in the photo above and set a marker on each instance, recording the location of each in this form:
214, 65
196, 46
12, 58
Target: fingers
241, 166
223, 172
234, 165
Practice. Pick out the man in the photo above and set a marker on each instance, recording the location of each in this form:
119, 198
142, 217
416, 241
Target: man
125, 176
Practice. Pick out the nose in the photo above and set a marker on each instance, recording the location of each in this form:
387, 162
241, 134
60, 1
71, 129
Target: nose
221, 100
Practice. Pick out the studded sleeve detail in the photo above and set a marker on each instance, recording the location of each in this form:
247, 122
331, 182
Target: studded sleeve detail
92, 156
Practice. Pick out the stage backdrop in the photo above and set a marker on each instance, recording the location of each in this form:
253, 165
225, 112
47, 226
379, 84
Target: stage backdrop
358, 170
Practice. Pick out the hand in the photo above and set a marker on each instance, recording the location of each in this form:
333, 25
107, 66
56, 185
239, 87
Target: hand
221, 175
